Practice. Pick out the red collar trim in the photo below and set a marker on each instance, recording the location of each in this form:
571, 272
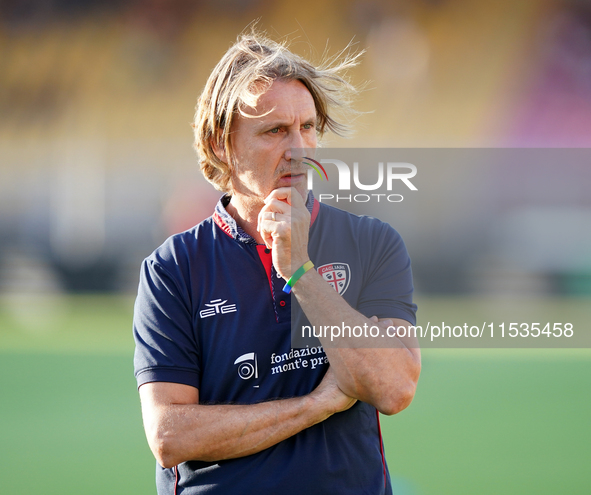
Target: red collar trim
219, 221
315, 210
221, 224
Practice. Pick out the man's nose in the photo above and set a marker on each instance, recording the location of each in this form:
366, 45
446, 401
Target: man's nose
296, 146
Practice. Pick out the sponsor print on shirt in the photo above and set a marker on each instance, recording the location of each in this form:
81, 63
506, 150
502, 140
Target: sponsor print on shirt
308, 358
216, 307
248, 366
338, 275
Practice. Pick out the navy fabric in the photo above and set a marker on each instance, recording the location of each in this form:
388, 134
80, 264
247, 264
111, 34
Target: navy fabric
210, 314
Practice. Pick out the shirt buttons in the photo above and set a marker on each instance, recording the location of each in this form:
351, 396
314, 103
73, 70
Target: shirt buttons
282, 303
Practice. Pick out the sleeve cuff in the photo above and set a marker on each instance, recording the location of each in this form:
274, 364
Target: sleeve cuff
183, 377
382, 311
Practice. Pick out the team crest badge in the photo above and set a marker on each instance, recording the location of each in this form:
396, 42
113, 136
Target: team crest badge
338, 275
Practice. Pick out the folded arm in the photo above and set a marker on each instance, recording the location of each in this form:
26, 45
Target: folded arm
180, 429
382, 371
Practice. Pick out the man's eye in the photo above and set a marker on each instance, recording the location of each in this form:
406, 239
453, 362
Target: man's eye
308, 126
274, 131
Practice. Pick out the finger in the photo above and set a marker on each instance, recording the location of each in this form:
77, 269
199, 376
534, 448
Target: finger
260, 221
282, 194
273, 212
266, 231
297, 200
269, 215
268, 225
276, 205
286, 195
374, 319
268, 240
384, 320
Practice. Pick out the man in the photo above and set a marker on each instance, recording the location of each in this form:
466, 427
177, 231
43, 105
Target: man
229, 406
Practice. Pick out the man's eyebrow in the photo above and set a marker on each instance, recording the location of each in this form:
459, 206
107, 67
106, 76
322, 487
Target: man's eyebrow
272, 124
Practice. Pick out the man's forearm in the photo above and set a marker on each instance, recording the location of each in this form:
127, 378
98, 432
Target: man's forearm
179, 432
216, 432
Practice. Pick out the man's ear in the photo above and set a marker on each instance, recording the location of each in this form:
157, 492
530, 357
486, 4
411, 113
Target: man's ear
219, 149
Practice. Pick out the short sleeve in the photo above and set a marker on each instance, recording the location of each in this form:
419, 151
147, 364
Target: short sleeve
388, 286
166, 348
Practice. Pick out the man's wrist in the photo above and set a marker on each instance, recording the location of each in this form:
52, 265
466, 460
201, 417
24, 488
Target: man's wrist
305, 267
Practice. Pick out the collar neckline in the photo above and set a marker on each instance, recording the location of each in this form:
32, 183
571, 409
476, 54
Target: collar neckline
227, 223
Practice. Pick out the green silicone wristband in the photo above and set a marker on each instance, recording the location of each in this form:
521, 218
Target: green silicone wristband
308, 265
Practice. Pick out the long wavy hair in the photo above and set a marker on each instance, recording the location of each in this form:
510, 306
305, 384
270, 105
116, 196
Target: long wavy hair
245, 72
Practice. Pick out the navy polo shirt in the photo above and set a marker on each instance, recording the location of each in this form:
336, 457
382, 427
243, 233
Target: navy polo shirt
211, 313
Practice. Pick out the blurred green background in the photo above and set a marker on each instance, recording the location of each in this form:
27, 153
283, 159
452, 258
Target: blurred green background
483, 421
97, 169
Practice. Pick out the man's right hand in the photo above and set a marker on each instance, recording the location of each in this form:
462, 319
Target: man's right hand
329, 393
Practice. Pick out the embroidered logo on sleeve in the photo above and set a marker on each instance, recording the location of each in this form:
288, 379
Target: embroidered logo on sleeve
338, 275
217, 307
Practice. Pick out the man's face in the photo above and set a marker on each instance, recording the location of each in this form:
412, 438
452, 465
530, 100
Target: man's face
284, 118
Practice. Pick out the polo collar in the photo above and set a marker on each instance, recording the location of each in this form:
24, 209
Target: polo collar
226, 222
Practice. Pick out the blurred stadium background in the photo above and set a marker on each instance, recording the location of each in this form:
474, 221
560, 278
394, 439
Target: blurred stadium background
97, 169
